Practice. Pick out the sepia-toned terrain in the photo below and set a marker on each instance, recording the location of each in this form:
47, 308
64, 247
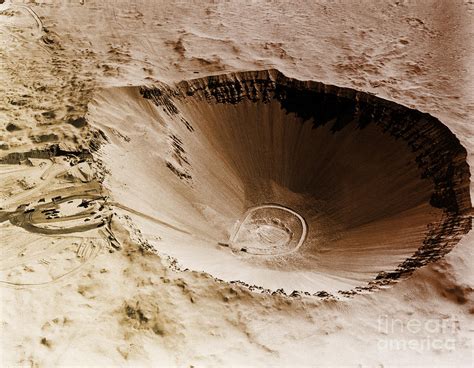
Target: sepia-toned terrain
236, 183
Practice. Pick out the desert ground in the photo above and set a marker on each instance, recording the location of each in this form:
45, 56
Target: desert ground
243, 183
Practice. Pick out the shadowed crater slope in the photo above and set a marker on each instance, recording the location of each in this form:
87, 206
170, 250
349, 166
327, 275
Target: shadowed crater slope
285, 184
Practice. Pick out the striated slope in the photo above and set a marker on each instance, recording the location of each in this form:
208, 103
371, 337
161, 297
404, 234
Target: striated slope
381, 189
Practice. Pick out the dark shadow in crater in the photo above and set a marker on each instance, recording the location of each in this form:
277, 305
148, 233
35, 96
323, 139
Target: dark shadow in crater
383, 188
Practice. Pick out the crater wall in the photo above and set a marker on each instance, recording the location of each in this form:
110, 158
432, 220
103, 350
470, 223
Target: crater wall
383, 189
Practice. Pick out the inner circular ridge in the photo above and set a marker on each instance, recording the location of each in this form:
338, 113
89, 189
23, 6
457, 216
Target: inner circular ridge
269, 229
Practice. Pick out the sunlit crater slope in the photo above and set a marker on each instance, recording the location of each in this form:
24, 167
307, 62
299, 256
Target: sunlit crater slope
284, 184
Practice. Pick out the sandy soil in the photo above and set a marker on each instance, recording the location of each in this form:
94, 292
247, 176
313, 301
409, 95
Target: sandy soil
81, 281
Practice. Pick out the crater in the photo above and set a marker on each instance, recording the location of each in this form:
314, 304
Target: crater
283, 184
